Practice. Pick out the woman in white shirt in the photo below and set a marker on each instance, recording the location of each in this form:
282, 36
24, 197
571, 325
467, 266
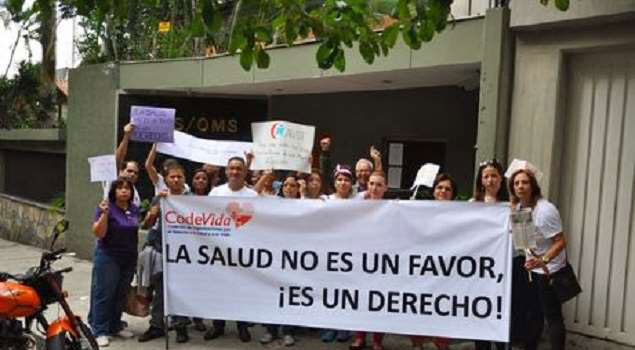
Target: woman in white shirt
548, 258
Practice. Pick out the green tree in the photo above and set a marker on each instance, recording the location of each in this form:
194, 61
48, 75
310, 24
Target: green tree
127, 29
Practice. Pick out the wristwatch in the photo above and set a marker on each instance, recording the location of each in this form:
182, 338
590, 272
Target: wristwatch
545, 259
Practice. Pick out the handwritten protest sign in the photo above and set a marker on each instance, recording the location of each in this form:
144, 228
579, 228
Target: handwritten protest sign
341, 262
152, 124
203, 151
282, 145
103, 168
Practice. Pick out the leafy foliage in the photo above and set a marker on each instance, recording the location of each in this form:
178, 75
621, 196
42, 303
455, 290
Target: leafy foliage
128, 29
25, 101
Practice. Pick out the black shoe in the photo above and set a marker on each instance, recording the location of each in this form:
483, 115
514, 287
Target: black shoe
214, 333
181, 335
244, 335
151, 333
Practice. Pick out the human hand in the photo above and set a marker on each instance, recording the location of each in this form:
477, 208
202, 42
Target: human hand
374, 153
302, 184
325, 144
103, 206
533, 263
249, 156
129, 128
163, 194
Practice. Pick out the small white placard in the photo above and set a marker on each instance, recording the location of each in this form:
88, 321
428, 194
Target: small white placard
282, 145
103, 168
395, 154
426, 175
394, 177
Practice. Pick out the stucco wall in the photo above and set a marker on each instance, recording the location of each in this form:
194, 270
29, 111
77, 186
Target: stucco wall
28, 222
531, 13
537, 126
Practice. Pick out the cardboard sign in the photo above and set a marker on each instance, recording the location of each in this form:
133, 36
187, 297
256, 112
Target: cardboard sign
103, 168
203, 151
426, 175
282, 145
152, 124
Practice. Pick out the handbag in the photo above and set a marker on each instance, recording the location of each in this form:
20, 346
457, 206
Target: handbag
136, 304
565, 283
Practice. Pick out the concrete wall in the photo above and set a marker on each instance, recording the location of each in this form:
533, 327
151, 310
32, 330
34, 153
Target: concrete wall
538, 93
357, 120
91, 131
526, 13
28, 222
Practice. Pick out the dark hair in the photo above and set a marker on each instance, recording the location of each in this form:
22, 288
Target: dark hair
240, 159
167, 163
209, 183
479, 188
125, 163
284, 178
446, 177
172, 166
342, 169
536, 193
120, 182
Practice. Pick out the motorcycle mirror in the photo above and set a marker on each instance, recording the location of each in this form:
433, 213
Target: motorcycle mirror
59, 228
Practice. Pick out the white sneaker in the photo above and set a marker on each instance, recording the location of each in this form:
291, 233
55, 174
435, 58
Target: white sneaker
266, 338
288, 340
125, 334
103, 341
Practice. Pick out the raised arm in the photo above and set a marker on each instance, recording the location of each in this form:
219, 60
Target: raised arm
149, 165
375, 155
100, 227
122, 148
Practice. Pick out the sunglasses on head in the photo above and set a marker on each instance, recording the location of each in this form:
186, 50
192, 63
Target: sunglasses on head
492, 161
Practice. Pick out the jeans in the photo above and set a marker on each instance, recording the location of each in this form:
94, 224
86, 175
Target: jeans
157, 313
544, 304
111, 279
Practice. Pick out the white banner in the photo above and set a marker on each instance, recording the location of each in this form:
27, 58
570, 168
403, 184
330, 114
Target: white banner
203, 151
282, 146
409, 267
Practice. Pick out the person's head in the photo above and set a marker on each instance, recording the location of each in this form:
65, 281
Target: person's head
200, 182
343, 177
236, 172
314, 184
166, 164
444, 188
130, 170
121, 190
213, 174
175, 178
290, 187
489, 179
377, 185
363, 168
523, 187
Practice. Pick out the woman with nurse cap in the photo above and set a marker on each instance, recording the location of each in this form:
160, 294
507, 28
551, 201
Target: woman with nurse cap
547, 258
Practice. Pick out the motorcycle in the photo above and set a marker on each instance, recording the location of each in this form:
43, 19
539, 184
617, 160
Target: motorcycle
24, 299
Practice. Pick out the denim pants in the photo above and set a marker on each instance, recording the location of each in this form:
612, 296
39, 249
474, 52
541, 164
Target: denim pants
111, 279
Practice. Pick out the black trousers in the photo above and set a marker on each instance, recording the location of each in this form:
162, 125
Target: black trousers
220, 324
544, 304
520, 292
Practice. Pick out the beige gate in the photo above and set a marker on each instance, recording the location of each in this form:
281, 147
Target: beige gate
597, 192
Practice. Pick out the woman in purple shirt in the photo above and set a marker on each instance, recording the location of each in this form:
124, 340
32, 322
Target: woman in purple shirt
116, 227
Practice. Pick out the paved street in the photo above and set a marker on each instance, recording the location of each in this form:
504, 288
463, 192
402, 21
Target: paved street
16, 258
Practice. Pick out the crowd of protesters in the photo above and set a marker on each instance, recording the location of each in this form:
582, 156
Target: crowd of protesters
117, 259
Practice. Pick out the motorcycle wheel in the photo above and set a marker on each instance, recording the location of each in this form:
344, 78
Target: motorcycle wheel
87, 340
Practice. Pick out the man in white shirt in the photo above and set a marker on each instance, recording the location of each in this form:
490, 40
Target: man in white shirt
236, 171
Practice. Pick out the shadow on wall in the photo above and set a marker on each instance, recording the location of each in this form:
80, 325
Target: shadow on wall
28, 222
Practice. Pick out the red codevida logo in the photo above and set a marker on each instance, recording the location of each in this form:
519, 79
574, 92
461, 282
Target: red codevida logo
240, 213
